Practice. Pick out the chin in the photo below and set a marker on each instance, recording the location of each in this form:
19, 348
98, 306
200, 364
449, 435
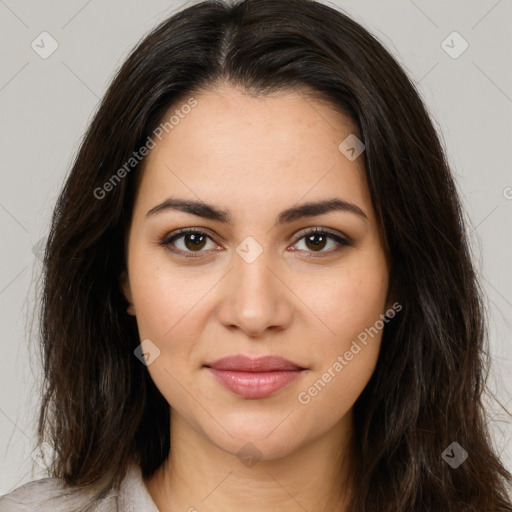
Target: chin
250, 450
267, 439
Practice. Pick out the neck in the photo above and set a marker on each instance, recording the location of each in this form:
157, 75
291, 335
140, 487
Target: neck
198, 476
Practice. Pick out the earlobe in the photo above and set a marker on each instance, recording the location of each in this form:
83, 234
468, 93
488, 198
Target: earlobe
124, 284
392, 305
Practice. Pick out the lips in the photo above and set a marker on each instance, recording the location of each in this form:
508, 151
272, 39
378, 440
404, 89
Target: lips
254, 378
260, 364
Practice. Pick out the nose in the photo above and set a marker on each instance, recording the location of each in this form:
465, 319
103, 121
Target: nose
255, 298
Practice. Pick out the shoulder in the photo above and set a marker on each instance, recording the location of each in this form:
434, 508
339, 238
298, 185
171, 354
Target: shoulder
51, 494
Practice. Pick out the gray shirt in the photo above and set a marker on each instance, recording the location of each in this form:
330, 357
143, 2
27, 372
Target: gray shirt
49, 494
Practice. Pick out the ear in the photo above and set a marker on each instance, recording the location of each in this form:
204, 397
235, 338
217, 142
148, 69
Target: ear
124, 284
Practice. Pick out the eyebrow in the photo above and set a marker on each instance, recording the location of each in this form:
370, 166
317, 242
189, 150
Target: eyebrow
208, 211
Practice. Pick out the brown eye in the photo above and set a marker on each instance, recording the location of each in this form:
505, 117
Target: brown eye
193, 241
317, 240
188, 241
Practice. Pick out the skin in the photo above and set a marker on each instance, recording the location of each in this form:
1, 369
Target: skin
255, 157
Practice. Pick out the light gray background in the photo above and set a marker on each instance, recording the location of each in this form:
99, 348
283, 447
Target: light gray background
47, 104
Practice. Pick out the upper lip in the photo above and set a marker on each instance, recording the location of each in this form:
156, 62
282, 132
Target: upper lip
243, 363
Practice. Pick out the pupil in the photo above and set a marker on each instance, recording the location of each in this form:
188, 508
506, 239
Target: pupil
319, 245
197, 241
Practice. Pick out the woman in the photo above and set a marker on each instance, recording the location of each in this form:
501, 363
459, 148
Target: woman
258, 290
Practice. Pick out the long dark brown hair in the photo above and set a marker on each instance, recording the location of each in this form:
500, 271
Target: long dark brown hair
100, 408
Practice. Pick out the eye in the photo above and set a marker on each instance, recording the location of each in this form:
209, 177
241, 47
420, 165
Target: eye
317, 239
188, 241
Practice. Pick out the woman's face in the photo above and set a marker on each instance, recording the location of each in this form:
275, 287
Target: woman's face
255, 280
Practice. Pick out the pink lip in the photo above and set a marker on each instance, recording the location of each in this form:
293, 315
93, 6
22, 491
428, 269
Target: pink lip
254, 378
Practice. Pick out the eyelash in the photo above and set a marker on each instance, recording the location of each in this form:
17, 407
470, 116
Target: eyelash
172, 237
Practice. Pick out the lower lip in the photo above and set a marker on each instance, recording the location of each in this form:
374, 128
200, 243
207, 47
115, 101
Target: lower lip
253, 384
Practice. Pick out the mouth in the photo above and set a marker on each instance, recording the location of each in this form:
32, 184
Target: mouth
254, 378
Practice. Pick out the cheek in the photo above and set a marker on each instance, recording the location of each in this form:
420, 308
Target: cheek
351, 299
351, 305
347, 356
166, 298
168, 304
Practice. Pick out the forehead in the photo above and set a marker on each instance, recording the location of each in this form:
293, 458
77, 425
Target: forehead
268, 148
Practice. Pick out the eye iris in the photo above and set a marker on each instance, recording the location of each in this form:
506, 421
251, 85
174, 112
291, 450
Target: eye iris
319, 245
197, 241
